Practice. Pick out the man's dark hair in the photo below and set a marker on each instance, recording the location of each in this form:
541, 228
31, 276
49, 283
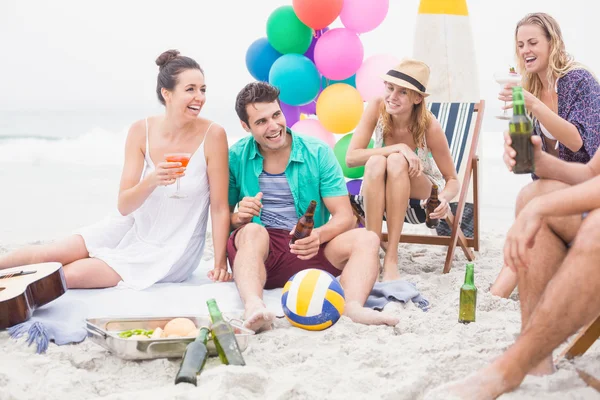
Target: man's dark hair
255, 92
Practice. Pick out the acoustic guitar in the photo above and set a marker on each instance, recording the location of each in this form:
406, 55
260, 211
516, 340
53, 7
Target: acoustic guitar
25, 288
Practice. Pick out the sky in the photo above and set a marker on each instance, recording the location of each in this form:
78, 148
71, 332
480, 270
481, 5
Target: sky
73, 54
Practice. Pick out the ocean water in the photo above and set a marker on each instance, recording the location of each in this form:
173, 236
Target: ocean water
82, 137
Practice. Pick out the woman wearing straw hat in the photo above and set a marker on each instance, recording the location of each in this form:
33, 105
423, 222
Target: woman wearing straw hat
410, 154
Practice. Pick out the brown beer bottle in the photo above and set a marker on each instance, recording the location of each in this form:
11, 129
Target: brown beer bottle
305, 224
432, 204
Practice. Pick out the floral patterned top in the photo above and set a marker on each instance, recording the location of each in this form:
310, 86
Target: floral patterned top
579, 103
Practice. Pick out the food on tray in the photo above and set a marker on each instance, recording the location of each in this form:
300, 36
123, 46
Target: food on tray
157, 334
179, 327
175, 328
136, 332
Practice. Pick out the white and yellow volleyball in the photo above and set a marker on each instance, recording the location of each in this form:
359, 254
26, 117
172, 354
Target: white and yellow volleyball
313, 300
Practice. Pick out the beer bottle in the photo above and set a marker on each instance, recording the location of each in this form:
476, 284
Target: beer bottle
432, 204
194, 359
520, 128
468, 297
305, 224
224, 337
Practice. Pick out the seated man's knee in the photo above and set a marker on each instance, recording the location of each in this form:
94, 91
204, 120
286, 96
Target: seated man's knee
251, 234
588, 237
397, 165
375, 167
366, 241
536, 189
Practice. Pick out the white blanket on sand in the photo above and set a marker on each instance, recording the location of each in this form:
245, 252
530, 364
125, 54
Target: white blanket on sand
63, 320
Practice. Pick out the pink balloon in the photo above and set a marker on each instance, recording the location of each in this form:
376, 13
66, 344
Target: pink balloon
312, 127
368, 77
362, 16
338, 54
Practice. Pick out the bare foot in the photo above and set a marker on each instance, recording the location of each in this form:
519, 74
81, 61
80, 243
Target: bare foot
486, 384
545, 367
368, 316
258, 318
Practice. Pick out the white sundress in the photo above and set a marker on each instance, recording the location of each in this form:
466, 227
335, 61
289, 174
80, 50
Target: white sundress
161, 241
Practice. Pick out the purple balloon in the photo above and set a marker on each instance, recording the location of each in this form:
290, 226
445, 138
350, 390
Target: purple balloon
354, 186
310, 108
310, 53
291, 113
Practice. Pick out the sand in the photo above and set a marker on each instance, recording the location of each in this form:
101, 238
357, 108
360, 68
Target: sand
347, 361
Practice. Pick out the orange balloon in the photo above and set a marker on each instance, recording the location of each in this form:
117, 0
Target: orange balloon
339, 108
317, 14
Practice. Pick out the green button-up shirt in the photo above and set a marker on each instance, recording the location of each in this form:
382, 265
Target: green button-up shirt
313, 173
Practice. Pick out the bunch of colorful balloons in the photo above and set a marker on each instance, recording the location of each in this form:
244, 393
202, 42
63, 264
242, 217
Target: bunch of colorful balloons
321, 71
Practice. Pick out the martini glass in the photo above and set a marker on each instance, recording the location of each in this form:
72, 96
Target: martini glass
506, 78
184, 159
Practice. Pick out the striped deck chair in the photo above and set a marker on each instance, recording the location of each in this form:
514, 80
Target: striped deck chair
462, 124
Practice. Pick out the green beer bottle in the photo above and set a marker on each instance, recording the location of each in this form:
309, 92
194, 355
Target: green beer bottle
468, 297
224, 337
520, 128
194, 359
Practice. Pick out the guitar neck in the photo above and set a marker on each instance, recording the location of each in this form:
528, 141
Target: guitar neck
13, 274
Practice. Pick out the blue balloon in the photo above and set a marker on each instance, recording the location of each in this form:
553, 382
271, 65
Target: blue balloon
260, 57
296, 77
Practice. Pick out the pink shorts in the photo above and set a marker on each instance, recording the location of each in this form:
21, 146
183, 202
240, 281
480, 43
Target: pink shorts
281, 265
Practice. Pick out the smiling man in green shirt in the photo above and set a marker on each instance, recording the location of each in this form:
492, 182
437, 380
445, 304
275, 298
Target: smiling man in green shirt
273, 175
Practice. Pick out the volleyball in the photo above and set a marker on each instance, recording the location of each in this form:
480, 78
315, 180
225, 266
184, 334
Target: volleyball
313, 299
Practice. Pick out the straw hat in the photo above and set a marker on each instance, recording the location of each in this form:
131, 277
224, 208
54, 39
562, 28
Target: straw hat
411, 74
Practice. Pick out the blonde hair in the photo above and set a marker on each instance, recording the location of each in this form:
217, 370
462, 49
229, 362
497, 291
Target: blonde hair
419, 119
559, 61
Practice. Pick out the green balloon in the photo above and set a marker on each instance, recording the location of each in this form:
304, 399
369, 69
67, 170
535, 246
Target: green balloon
340, 149
286, 33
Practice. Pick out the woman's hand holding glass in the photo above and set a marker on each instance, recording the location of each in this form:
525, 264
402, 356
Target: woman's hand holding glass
166, 173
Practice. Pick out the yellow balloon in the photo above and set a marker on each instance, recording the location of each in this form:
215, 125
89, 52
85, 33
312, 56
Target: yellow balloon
303, 116
339, 108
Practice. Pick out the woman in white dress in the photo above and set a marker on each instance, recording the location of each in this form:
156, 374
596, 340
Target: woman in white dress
154, 237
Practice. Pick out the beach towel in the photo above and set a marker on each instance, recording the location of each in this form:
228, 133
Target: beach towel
399, 290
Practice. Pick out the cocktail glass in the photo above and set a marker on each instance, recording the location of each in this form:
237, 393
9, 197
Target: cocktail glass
184, 159
505, 78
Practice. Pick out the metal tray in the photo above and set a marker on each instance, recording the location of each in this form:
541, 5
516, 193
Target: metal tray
105, 331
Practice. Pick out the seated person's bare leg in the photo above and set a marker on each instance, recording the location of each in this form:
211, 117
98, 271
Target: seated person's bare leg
506, 282
250, 275
554, 304
356, 253
90, 273
399, 188
65, 251
373, 187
